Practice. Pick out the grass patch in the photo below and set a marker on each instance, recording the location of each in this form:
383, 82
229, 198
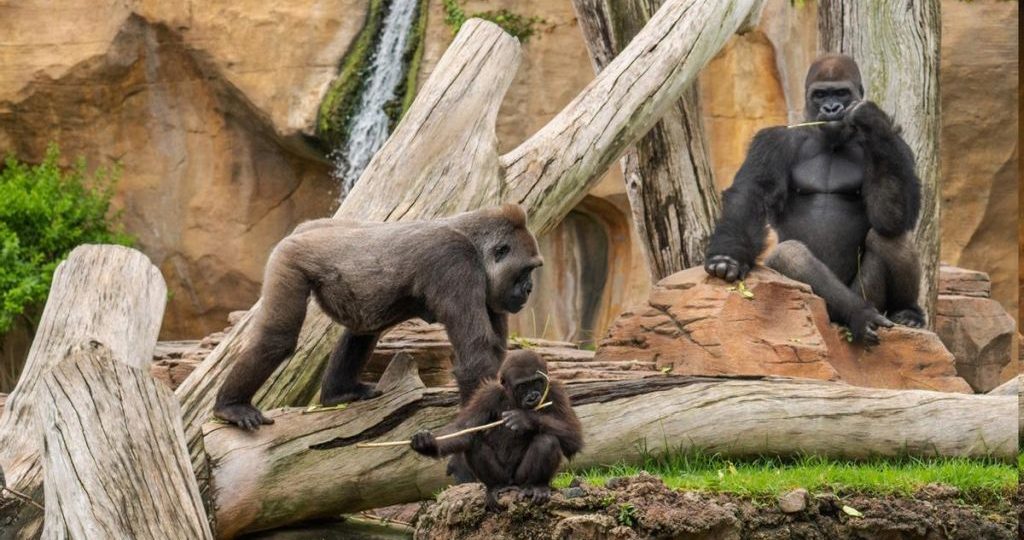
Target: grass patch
760, 478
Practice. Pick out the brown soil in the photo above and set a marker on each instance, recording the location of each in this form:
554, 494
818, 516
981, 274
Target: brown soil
642, 507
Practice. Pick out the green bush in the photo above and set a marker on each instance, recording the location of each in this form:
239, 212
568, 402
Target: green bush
46, 211
520, 26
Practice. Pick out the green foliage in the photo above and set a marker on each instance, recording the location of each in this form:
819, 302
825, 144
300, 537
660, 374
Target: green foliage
44, 213
516, 24
627, 515
767, 477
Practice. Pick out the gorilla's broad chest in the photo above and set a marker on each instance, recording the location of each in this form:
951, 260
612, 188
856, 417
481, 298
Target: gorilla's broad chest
823, 169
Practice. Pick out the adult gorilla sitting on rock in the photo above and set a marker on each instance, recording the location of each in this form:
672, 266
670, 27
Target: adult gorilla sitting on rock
843, 197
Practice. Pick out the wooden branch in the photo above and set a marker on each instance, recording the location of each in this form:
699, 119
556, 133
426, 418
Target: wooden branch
896, 44
735, 417
668, 175
109, 294
442, 159
556, 167
116, 464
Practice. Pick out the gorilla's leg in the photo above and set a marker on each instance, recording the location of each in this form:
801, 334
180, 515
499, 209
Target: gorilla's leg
902, 277
793, 260
341, 380
488, 470
538, 467
869, 283
275, 332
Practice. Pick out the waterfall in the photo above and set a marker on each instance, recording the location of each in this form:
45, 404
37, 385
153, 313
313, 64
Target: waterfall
369, 127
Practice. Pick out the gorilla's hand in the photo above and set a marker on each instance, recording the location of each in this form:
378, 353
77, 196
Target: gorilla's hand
725, 267
425, 443
863, 324
518, 420
868, 117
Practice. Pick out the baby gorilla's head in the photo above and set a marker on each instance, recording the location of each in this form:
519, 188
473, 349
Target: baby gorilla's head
523, 374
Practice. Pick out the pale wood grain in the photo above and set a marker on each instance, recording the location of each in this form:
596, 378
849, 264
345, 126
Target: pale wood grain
310, 466
115, 459
109, 294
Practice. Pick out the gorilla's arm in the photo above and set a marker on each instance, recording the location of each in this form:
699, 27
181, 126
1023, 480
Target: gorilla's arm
759, 188
561, 421
456, 294
482, 409
892, 190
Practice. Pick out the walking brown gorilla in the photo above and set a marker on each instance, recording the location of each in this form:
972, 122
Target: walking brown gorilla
467, 271
526, 451
843, 198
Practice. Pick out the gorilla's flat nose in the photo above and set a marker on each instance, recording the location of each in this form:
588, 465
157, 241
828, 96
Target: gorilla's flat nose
832, 109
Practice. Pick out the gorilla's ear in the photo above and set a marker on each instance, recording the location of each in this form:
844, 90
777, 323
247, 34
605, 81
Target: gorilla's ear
515, 214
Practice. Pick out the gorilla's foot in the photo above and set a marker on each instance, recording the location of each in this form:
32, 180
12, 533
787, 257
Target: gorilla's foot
912, 317
491, 501
536, 494
359, 392
244, 416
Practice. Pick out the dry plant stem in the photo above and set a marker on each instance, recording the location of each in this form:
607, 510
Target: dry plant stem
466, 431
22, 496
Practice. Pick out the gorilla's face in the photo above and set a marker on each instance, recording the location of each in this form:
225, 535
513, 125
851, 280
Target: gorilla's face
512, 261
524, 376
829, 101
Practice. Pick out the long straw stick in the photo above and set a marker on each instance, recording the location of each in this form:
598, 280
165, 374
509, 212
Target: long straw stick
466, 431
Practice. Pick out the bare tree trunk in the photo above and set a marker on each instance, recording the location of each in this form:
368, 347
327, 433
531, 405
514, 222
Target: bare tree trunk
734, 417
110, 294
116, 464
896, 44
442, 157
668, 172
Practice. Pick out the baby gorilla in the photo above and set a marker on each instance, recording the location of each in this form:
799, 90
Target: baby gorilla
524, 452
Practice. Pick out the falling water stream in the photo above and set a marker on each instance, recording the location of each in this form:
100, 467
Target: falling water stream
369, 128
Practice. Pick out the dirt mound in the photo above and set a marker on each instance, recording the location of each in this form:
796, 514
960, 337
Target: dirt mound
642, 507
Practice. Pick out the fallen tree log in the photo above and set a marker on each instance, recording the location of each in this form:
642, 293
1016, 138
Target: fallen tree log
307, 465
110, 294
442, 159
116, 465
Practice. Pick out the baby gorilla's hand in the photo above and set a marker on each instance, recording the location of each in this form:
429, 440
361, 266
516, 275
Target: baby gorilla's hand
425, 443
518, 420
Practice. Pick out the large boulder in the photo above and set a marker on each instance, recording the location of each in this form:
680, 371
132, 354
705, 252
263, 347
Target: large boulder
977, 329
694, 324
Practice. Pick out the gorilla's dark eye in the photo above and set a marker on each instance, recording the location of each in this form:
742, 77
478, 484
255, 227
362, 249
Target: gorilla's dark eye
501, 251
818, 94
843, 92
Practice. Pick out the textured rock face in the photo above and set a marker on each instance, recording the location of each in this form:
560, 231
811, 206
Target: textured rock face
697, 325
975, 328
202, 107
980, 146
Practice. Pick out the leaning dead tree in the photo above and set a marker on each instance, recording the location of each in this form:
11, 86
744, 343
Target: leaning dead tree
668, 174
896, 44
734, 417
109, 294
442, 159
116, 465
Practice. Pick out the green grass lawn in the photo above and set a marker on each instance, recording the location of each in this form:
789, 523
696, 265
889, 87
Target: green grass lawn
977, 479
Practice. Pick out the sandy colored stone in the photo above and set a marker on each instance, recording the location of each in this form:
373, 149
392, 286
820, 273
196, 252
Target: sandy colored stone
793, 501
957, 281
3, 401
981, 336
742, 94
980, 147
202, 106
694, 324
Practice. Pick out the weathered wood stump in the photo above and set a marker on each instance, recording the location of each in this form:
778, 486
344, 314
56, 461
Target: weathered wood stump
115, 460
109, 294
